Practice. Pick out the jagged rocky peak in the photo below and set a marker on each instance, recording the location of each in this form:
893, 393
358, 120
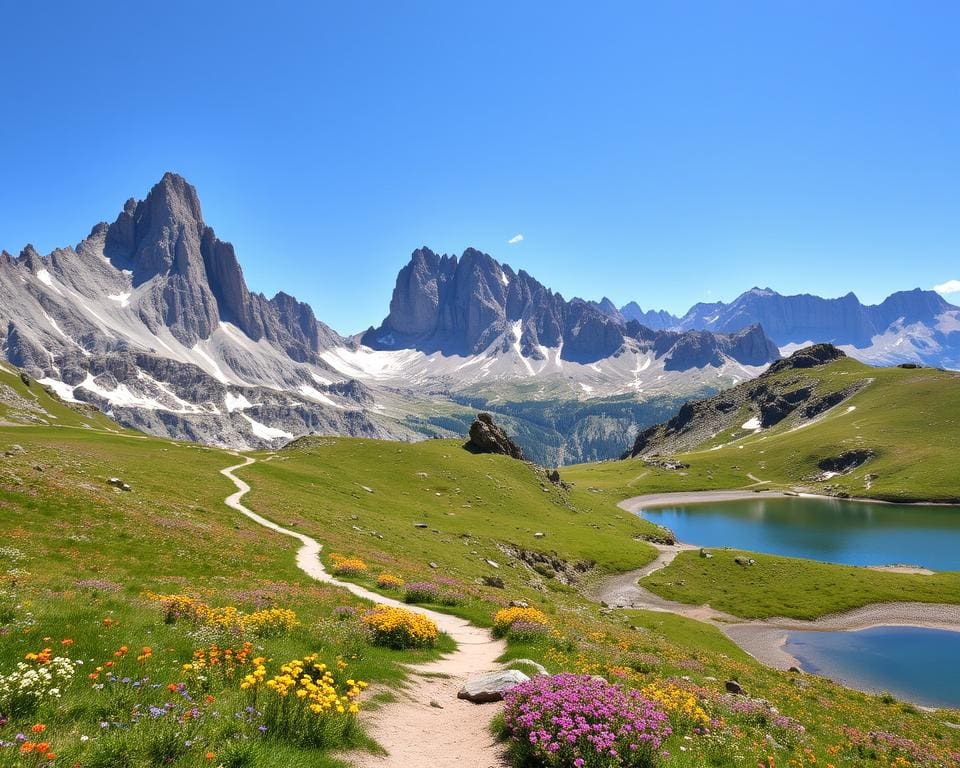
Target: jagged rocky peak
487, 437
808, 357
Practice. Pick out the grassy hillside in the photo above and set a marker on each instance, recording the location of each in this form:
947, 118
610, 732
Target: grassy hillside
78, 557
789, 586
908, 418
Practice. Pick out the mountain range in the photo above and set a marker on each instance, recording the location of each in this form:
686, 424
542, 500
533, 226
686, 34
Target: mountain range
908, 326
150, 319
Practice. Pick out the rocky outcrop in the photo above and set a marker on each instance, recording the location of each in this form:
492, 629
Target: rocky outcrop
846, 461
808, 357
487, 437
768, 400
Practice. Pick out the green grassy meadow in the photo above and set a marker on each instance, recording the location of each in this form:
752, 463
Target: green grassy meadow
79, 557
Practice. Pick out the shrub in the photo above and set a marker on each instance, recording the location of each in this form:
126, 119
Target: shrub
680, 704
303, 703
398, 628
389, 581
504, 619
270, 622
428, 592
348, 566
30, 684
578, 720
522, 631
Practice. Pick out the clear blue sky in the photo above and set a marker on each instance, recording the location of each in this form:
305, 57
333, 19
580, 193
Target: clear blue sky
663, 152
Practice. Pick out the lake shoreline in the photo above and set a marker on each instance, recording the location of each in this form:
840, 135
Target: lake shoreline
635, 504
765, 640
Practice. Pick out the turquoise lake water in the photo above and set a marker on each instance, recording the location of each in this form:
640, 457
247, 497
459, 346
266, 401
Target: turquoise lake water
914, 664
830, 530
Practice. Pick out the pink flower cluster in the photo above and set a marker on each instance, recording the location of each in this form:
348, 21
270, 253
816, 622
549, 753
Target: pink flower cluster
585, 722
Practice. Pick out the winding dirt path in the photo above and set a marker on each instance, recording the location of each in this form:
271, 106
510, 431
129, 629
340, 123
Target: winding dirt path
413, 730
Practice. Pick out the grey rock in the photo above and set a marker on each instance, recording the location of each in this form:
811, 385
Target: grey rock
541, 670
491, 686
487, 437
732, 686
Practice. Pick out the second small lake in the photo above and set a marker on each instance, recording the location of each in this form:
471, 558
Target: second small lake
830, 530
912, 663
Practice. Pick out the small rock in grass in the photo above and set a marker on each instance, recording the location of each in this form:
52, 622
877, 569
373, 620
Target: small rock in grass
734, 687
493, 563
519, 604
493, 581
539, 535
420, 525
367, 489
433, 564
541, 670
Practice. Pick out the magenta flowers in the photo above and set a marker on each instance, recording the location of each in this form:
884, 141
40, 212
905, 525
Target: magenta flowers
585, 722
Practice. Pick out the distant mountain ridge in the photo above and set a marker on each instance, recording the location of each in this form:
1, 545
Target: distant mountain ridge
908, 326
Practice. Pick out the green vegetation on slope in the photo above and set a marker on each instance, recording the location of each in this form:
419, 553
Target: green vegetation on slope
789, 586
85, 552
76, 559
909, 418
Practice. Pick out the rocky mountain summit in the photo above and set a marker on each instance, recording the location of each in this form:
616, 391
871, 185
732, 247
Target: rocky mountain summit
150, 319
466, 306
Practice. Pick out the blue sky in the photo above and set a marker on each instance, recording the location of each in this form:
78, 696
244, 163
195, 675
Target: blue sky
666, 153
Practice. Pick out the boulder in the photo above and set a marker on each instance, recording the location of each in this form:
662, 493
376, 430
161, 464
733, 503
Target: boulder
734, 687
491, 686
487, 437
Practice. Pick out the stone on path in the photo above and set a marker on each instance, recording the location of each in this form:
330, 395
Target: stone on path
491, 686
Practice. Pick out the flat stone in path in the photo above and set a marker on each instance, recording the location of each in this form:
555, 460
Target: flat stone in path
491, 686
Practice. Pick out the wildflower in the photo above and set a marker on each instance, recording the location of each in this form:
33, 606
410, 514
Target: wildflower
572, 719
389, 581
399, 628
38, 728
505, 618
210, 756
348, 566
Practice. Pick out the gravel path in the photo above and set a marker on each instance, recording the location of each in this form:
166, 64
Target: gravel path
453, 735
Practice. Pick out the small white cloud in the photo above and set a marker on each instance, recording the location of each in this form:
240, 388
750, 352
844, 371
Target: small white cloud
515, 239
951, 286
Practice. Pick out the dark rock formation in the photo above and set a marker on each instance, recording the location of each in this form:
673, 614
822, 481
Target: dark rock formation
808, 357
769, 399
487, 437
846, 461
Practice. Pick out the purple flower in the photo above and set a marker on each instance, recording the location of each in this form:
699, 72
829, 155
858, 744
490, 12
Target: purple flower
576, 720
